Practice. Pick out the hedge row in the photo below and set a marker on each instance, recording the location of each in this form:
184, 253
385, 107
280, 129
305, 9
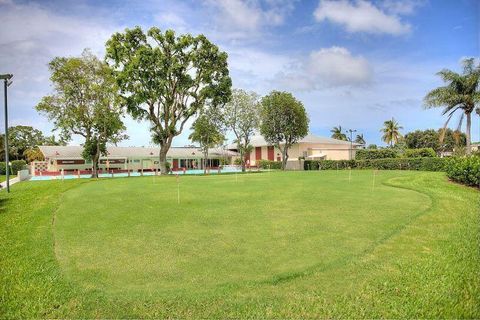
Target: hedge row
424, 164
267, 164
16, 165
464, 170
364, 154
368, 154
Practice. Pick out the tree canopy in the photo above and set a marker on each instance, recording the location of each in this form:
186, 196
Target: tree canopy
439, 140
284, 121
338, 134
167, 79
207, 132
85, 103
242, 116
391, 132
461, 93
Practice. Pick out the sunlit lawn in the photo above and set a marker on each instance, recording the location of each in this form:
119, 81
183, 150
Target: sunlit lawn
278, 245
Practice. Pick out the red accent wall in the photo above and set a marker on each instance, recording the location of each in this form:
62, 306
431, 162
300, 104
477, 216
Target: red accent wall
271, 153
258, 153
175, 164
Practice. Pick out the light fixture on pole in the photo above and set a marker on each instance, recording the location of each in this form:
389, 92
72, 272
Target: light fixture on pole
7, 82
351, 142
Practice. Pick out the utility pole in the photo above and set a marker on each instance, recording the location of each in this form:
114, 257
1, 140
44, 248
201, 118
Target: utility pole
6, 81
351, 142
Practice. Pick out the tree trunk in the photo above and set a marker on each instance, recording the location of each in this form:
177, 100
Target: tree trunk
163, 159
284, 157
468, 133
206, 161
95, 159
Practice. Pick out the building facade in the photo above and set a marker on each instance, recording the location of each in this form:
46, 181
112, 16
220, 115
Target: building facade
309, 148
69, 159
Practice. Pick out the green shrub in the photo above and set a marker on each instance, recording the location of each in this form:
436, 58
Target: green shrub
423, 164
364, 154
237, 161
267, 164
15, 166
419, 153
464, 170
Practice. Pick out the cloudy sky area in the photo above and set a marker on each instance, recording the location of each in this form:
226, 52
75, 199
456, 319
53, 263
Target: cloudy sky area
352, 63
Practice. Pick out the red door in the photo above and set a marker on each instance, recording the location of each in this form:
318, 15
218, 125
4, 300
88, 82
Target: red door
258, 154
247, 159
175, 164
271, 153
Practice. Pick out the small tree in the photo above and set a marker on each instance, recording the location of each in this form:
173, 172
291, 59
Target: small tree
167, 79
391, 132
208, 134
85, 103
242, 116
284, 121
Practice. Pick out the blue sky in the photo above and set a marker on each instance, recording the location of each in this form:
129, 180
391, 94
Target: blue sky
352, 63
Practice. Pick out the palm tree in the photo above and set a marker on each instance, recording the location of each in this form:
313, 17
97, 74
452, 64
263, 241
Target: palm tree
360, 140
461, 92
338, 134
391, 132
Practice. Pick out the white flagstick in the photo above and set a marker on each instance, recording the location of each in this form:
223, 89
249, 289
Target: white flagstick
349, 174
373, 185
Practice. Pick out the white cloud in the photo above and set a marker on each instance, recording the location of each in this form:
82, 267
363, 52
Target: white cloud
360, 16
328, 67
240, 19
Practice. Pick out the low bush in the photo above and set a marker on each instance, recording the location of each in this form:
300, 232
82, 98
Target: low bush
419, 153
267, 164
364, 154
465, 170
15, 166
423, 164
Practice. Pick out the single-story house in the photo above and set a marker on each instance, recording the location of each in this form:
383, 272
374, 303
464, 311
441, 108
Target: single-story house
69, 158
311, 147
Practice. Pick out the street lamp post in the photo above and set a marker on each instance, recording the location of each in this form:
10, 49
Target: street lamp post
351, 142
6, 81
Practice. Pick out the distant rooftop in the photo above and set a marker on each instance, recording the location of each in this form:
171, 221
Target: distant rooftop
121, 152
258, 141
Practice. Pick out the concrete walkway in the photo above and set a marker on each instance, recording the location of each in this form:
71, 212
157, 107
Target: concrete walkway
12, 181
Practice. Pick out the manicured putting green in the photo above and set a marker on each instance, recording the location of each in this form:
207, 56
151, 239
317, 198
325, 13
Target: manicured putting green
131, 237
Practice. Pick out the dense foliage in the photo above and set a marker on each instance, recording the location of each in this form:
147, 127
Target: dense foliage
439, 140
364, 154
419, 153
423, 164
284, 121
267, 164
16, 165
464, 170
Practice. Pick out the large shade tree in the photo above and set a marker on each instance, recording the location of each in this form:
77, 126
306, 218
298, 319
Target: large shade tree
460, 94
167, 79
284, 121
439, 140
242, 116
338, 134
85, 102
391, 132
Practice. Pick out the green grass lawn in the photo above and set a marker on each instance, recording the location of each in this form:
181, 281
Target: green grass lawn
4, 177
275, 245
